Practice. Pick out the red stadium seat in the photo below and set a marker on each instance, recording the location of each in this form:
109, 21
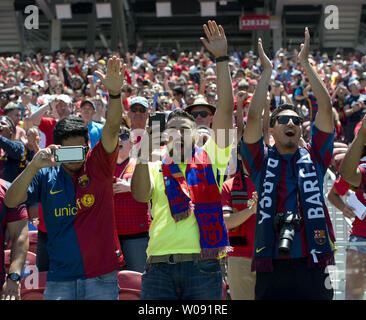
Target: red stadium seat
340, 145
338, 160
32, 286
130, 285
33, 237
337, 151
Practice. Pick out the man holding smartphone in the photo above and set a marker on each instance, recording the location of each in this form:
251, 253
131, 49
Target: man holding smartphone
77, 199
187, 233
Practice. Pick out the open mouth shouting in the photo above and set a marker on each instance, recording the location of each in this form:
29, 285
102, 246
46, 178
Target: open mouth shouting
290, 133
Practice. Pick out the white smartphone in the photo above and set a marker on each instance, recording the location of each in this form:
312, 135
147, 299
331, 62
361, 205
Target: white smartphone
70, 154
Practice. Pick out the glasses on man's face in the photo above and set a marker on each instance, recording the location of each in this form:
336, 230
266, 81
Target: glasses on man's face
124, 136
135, 109
285, 119
203, 114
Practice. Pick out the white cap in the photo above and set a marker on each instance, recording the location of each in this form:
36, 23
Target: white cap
65, 98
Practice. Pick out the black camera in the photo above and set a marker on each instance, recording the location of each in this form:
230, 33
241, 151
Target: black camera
286, 224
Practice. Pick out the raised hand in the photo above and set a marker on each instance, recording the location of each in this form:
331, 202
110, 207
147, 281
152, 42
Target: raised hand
113, 79
216, 41
305, 47
266, 63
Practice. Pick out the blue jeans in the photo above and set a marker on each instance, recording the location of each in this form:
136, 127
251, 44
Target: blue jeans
191, 280
134, 253
104, 287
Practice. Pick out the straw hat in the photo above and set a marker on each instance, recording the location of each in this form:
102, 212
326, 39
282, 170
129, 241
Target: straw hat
198, 102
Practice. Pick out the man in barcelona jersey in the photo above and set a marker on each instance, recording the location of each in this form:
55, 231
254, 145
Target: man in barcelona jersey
77, 200
294, 238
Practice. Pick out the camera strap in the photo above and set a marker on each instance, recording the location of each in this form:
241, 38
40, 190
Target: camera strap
311, 203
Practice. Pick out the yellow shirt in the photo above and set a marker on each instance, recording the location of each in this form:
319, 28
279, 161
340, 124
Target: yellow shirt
166, 235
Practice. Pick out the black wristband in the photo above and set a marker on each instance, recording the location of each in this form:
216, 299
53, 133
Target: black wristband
222, 58
114, 96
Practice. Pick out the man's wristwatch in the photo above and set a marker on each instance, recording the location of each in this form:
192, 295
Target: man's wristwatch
14, 276
114, 96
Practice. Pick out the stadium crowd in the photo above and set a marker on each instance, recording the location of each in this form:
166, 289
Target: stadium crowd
39, 94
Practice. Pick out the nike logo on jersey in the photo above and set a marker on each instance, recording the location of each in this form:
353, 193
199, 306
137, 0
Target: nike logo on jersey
55, 192
259, 250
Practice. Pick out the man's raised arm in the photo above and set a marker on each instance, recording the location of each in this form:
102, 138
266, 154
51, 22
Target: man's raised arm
253, 129
113, 82
216, 43
324, 117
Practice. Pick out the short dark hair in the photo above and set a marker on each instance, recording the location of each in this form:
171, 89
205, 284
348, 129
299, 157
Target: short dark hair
10, 123
70, 127
178, 90
11, 106
280, 108
179, 113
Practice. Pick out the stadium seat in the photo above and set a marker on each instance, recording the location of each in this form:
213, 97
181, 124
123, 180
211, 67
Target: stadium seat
336, 152
33, 237
130, 285
32, 286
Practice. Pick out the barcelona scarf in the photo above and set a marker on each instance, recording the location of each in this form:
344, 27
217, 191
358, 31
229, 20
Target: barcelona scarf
310, 201
197, 192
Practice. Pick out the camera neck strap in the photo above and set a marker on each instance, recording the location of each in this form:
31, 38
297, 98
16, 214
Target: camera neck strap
310, 200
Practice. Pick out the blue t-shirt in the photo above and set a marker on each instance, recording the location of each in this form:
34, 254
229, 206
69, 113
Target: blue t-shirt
95, 133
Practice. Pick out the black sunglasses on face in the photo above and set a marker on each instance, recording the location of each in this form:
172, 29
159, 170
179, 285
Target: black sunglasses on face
138, 109
203, 114
124, 136
285, 119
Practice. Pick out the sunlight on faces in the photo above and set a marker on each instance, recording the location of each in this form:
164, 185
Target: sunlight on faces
62, 109
138, 116
200, 120
286, 136
124, 147
180, 134
87, 111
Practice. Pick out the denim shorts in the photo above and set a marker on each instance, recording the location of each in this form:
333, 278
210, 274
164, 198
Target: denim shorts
357, 248
104, 287
189, 280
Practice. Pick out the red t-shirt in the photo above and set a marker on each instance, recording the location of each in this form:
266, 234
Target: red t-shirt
247, 228
46, 126
132, 217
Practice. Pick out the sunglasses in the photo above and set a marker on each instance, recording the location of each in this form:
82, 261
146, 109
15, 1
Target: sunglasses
135, 109
285, 119
124, 136
203, 114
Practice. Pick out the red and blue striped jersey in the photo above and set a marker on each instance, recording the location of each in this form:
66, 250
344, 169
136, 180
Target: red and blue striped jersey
321, 149
79, 217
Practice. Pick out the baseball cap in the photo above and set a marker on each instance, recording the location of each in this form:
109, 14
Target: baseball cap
87, 101
65, 98
139, 100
